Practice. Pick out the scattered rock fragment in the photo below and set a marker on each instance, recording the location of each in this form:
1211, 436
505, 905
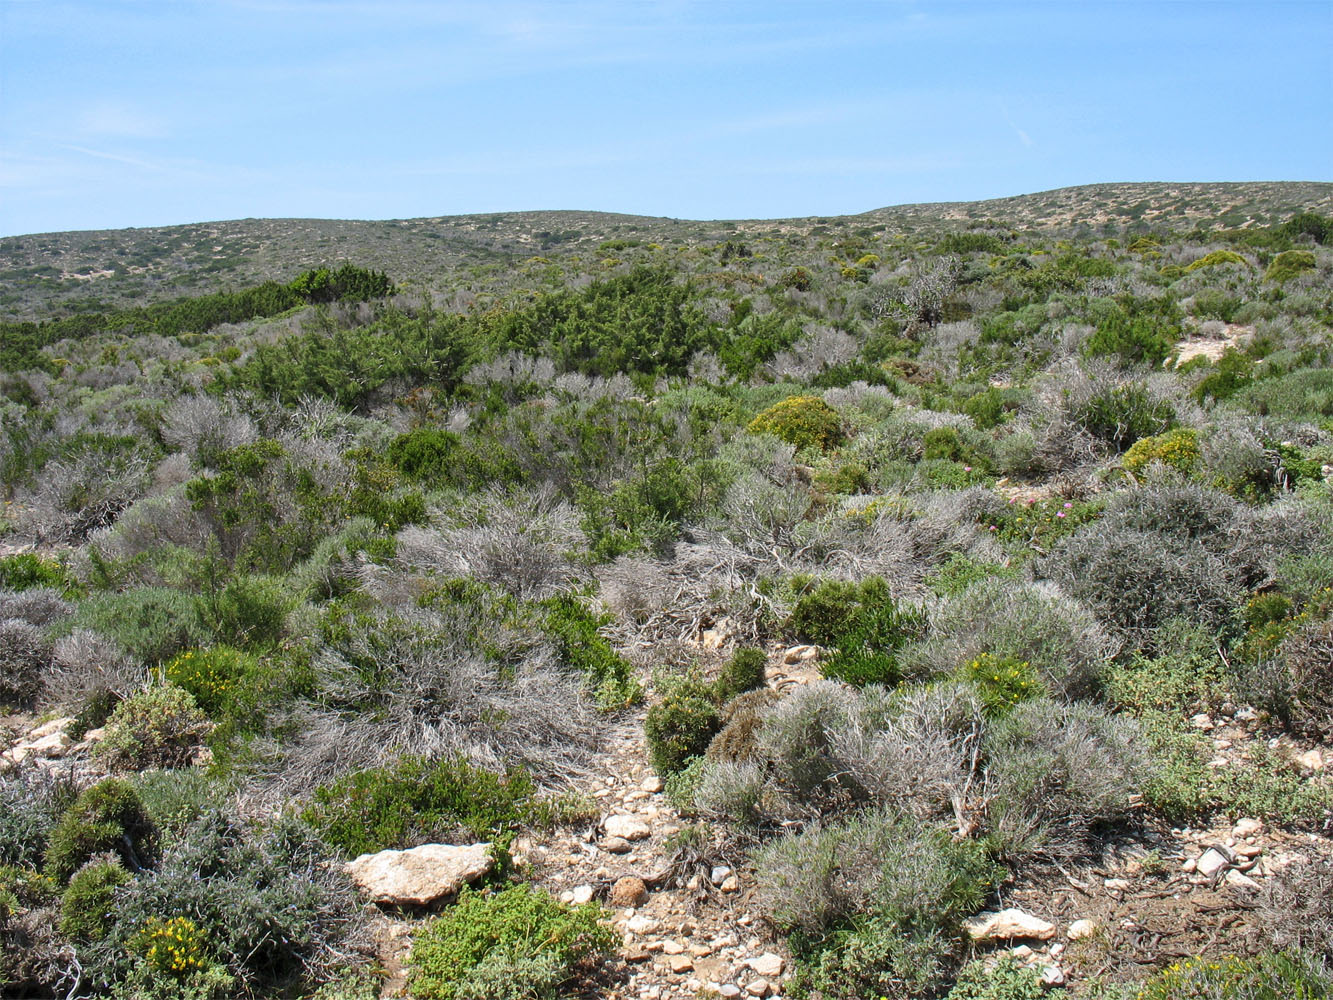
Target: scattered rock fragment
1081, 929
1212, 862
628, 891
1247, 828
626, 827
768, 965
616, 845
1311, 760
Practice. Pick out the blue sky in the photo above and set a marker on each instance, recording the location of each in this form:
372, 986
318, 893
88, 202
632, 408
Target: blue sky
148, 113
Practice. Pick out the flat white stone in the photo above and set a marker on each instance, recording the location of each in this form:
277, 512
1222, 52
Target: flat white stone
1006, 924
420, 875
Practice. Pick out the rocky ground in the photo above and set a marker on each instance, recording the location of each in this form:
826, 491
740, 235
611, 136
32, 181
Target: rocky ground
1155, 895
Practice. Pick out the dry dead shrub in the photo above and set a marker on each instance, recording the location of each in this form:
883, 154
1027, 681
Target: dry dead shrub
820, 347
148, 524
523, 544
84, 664
635, 588
1055, 771
75, 496
37, 606
1136, 581
201, 426
741, 719
1308, 656
706, 583
24, 655
436, 695
918, 752
1296, 906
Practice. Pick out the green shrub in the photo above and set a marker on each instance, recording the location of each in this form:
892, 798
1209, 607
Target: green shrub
826, 613
1134, 339
1177, 449
1288, 265
1185, 676
1006, 980
26, 570
87, 907
1231, 372
151, 624
1037, 525
868, 652
106, 818
517, 943
942, 442
873, 904
1181, 787
798, 278
175, 798
1003, 682
680, 726
1305, 394
574, 629
642, 513
415, 801
744, 671
959, 571
250, 612
145, 982
158, 727
803, 421
1281, 976
1216, 258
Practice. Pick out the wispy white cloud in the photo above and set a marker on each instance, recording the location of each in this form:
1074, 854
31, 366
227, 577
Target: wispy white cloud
1023, 137
119, 120
133, 161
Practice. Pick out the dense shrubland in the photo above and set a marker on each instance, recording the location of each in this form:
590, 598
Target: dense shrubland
336, 572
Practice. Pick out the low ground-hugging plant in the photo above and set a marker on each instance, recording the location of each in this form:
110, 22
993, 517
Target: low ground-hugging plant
416, 800
513, 943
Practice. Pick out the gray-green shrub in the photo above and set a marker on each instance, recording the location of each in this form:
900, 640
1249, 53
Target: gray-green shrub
1057, 770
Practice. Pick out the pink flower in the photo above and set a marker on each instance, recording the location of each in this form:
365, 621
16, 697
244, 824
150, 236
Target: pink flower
992, 527
967, 468
1060, 514
1069, 506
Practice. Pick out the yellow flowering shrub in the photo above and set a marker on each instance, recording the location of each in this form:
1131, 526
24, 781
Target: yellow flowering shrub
805, 421
175, 946
1264, 977
1003, 682
1178, 449
221, 679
